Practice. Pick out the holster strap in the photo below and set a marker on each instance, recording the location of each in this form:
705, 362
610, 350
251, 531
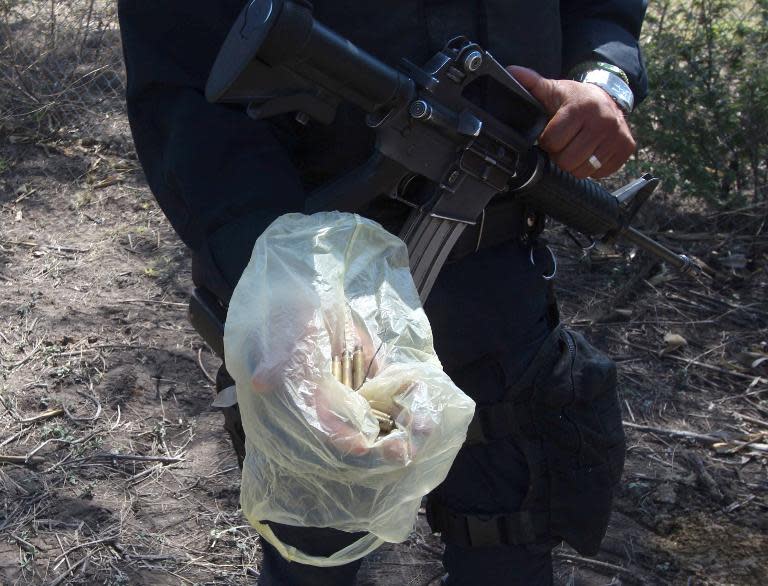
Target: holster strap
519, 528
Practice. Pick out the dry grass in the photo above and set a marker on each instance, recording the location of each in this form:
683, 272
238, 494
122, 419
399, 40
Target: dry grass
114, 467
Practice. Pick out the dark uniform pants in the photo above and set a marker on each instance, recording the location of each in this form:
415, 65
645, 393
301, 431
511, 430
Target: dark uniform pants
490, 474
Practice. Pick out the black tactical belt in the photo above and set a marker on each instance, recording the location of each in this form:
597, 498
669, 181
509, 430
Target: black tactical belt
503, 220
519, 528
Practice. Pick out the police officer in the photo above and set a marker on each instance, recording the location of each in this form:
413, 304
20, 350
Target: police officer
222, 178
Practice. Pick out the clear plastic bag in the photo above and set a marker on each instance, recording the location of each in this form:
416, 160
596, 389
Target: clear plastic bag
316, 455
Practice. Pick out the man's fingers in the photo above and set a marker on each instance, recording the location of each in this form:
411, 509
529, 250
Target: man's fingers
583, 118
560, 131
543, 89
608, 164
577, 152
611, 164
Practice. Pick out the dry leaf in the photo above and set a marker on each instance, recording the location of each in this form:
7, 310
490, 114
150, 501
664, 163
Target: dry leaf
672, 342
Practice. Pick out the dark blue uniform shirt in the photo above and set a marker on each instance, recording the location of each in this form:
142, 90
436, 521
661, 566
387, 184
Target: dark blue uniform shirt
221, 178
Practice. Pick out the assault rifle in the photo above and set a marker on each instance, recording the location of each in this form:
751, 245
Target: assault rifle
278, 59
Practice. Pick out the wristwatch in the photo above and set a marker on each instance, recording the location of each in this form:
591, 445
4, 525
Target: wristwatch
610, 79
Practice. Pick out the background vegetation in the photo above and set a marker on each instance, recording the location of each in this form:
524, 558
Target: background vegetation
703, 128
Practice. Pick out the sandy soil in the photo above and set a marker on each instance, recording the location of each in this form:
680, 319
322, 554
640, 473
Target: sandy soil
129, 478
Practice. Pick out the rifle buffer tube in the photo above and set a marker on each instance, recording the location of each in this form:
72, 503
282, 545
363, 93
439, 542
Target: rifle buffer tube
283, 34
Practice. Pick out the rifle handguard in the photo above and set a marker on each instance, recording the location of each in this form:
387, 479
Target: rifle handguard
579, 203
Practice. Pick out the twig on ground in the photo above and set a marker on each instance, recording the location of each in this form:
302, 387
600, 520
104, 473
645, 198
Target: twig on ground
744, 395
63, 247
69, 571
91, 419
27, 358
700, 437
674, 432
688, 361
150, 558
627, 574
163, 459
136, 478
10, 438
753, 420
44, 415
58, 523
706, 478
61, 441
200, 362
153, 302
22, 460
108, 539
25, 545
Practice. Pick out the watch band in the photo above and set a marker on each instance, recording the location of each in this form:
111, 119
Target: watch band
590, 65
612, 84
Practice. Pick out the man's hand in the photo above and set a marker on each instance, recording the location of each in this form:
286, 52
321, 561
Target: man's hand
585, 122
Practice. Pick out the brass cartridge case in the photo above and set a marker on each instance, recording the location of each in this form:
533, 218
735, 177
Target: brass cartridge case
346, 368
358, 368
386, 423
336, 368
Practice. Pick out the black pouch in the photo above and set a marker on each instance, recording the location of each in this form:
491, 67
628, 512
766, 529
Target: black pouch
568, 423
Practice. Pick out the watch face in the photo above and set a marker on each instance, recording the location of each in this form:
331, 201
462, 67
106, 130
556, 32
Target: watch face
623, 92
613, 85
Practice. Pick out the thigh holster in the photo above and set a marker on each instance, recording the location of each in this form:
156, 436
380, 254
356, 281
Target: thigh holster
564, 416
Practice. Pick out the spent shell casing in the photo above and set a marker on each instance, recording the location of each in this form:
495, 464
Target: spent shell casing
386, 423
346, 368
336, 368
358, 368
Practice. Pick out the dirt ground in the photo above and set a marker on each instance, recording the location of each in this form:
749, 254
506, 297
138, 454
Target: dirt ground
114, 468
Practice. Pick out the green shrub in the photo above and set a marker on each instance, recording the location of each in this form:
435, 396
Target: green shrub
704, 128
